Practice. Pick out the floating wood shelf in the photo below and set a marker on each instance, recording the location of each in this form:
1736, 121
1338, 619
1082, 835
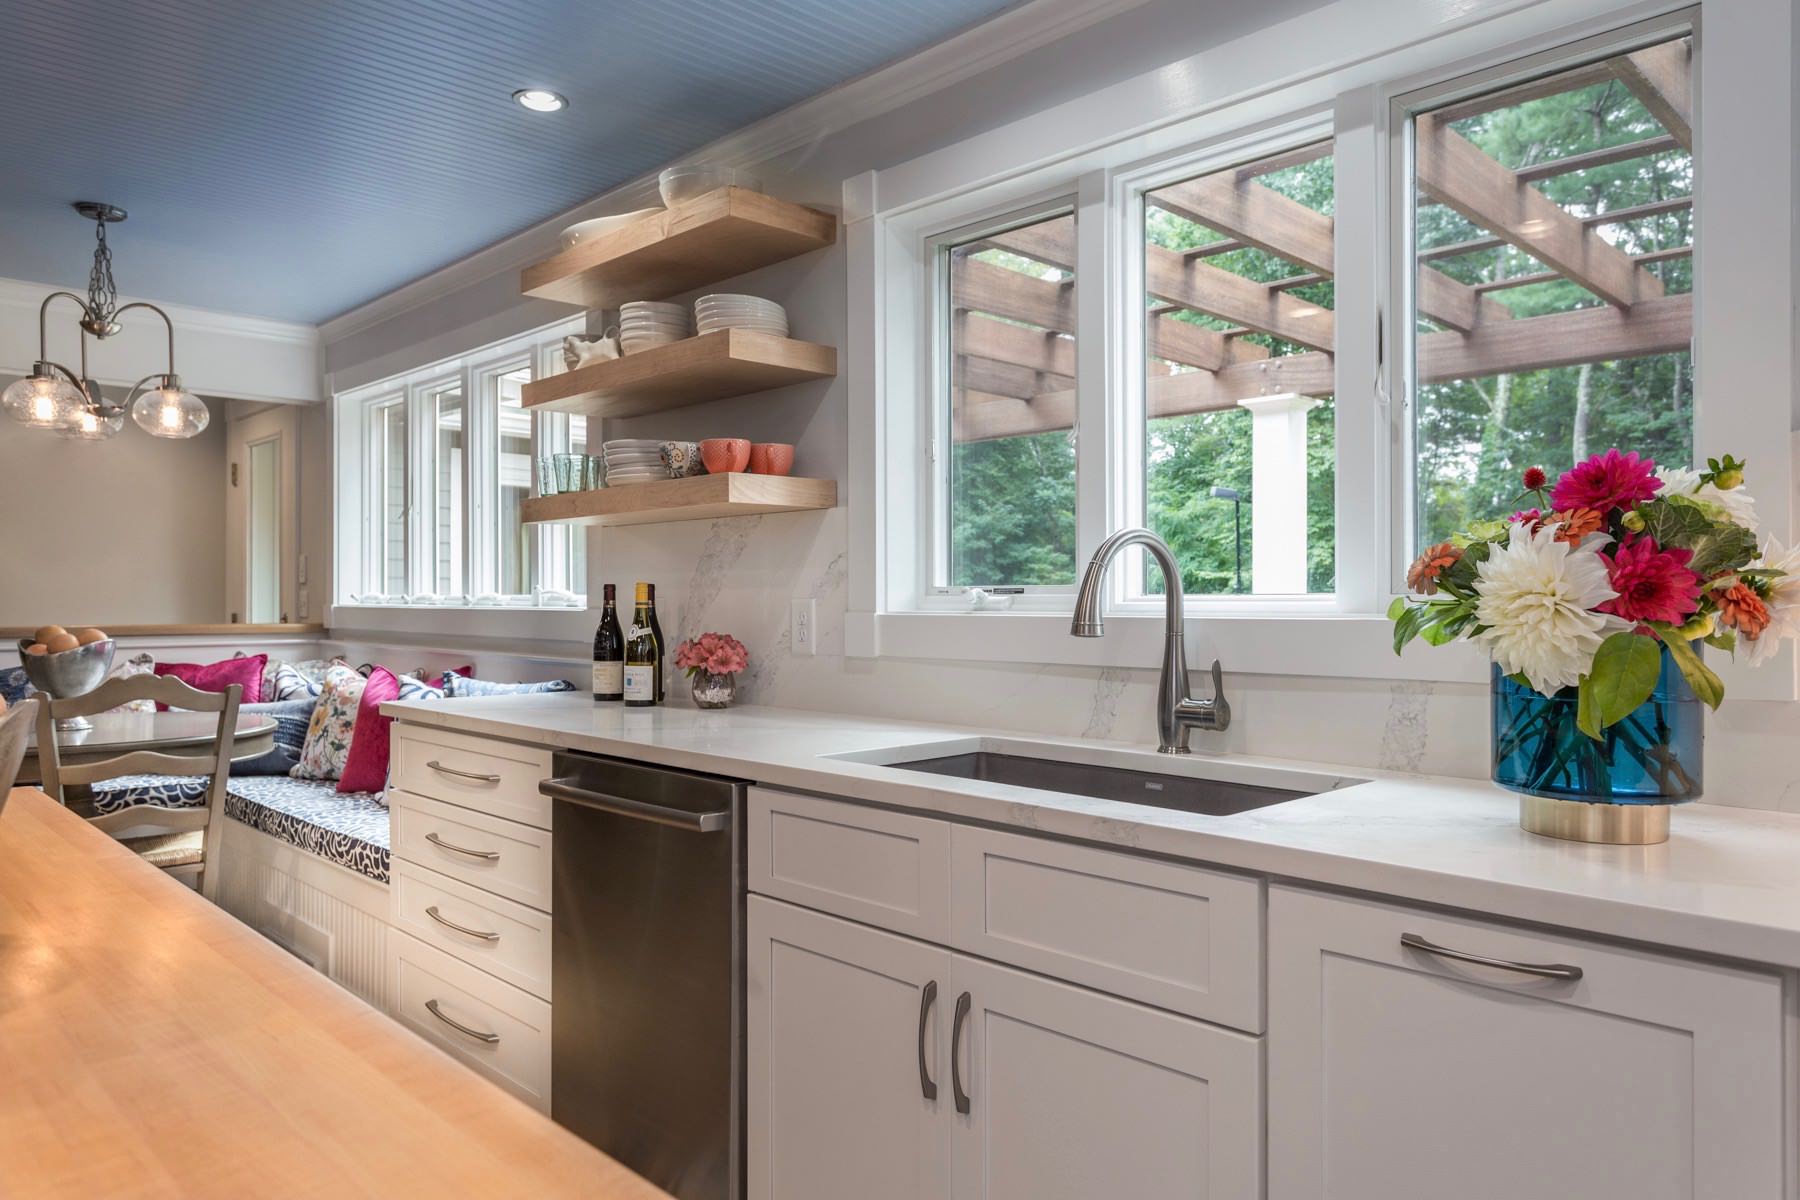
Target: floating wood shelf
699, 498
728, 362
697, 242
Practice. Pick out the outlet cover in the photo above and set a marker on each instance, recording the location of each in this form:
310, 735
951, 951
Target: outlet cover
802, 617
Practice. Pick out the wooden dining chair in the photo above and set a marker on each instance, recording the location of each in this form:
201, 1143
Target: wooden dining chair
15, 726
183, 839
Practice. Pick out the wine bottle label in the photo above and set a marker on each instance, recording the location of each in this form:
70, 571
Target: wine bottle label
640, 682
637, 631
609, 678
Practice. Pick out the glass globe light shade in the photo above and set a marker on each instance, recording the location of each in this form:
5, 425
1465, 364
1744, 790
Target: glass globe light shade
170, 411
89, 425
42, 401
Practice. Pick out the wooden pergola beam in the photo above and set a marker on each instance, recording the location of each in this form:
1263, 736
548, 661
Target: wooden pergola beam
1050, 242
1661, 79
1623, 152
1205, 288
1454, 171
1004, 292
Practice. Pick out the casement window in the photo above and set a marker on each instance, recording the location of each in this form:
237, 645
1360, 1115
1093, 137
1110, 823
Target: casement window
1306, 329
433, 470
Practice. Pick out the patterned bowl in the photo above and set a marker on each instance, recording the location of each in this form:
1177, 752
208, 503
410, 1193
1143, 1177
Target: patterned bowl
682, 459
722, 456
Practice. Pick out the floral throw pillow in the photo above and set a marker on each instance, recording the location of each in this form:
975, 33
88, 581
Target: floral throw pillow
137, 664
327, 745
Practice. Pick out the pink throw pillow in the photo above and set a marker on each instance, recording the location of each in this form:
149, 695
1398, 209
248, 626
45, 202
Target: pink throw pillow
366, 769
216, 677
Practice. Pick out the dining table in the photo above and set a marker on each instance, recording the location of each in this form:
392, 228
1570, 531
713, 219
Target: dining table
185, 734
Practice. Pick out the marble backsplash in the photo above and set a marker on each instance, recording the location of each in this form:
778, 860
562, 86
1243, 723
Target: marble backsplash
737, 576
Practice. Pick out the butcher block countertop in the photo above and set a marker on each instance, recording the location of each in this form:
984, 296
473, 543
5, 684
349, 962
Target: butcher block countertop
151, 1045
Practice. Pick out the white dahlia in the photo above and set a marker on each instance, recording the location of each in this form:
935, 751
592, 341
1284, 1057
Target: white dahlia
1737, 505
1537, 605
1783, 602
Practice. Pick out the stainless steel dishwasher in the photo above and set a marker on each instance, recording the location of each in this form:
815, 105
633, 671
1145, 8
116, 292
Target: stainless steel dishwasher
647, 1044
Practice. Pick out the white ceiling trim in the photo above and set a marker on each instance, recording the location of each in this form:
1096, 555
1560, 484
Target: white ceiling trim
227, 355
1007, 36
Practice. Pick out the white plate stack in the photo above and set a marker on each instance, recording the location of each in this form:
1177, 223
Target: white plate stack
633, 460
647, 323
727, 311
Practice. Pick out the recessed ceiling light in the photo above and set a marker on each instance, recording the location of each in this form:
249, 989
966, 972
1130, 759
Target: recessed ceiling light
541, 99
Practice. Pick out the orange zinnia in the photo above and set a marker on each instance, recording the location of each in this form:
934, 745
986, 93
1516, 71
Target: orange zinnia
1422, 576
1742, 609
1577, 523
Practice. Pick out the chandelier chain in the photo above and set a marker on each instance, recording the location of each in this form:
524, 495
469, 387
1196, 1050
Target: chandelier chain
103, 293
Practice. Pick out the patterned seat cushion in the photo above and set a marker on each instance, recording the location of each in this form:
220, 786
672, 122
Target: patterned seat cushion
163, 791
346, 828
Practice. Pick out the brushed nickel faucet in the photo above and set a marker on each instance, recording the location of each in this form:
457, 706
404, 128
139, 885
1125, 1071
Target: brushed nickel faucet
1177, 711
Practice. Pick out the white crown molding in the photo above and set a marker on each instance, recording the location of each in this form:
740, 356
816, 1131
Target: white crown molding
227, 355
980, 48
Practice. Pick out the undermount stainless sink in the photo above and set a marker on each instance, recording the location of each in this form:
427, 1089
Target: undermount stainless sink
1197, 785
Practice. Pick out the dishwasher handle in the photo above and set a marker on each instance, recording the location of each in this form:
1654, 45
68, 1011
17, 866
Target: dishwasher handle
661, 814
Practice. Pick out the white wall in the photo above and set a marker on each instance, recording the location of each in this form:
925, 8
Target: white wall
739, 575
126, 531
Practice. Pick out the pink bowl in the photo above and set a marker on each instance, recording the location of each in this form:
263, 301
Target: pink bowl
725, 455
771, 458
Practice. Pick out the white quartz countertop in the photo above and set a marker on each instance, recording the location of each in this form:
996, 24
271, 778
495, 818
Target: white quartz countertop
1726, 883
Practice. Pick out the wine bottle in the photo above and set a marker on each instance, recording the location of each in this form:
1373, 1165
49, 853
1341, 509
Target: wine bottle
643, 656
662, 648
609, 651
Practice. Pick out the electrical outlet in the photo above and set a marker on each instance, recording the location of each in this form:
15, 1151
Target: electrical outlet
801, 618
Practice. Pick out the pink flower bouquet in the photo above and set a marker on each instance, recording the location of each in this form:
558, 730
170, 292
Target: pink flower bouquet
714, 653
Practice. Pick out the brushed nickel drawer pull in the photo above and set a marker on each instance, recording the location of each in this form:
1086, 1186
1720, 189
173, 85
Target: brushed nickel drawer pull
433, 913
1413, 941
435, 765
492, 1039
484, 855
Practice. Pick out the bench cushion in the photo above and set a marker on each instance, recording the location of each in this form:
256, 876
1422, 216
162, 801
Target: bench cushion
164, 791
346, 828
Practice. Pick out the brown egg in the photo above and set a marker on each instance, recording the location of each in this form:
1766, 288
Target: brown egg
37, 648
45, 633
57, 643
89, 636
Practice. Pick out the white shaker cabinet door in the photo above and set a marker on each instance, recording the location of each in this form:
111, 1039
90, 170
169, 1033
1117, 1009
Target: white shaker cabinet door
1400, 1071
846, 1028
1074, 1095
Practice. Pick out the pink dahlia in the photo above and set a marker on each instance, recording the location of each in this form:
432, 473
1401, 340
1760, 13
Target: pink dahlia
1654, 584
1607, 481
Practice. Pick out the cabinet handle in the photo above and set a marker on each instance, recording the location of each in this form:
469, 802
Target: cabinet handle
432, 912
927, 998
1413, 941
956, 1087
484, 855
492, 1039
439, 767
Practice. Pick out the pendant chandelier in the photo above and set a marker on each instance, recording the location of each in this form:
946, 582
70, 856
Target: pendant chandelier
73, 405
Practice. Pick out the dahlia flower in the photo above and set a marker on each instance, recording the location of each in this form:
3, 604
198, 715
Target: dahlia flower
1653, 583
1605, 482
1740, 608
1538, 597
1782, 603
1423, 574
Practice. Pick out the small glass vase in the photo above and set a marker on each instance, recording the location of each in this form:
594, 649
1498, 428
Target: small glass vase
1613, 790
713, 691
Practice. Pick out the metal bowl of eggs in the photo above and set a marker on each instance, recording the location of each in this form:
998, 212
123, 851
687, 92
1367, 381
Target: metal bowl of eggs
63, 663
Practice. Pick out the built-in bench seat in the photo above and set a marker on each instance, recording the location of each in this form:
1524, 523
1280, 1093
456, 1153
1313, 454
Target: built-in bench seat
346, 828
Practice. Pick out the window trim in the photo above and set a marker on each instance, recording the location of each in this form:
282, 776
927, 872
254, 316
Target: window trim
1345, 62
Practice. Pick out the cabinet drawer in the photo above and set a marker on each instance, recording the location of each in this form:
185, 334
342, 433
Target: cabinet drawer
479, 773
504, 1034
1179, 937
496, 855
504, 939
883, 868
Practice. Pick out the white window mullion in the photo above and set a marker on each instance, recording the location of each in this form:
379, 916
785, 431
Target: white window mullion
484, 482
1097, 355
1364, 318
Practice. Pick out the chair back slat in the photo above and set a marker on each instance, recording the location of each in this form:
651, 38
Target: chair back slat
138, 762
15, 730
164, 689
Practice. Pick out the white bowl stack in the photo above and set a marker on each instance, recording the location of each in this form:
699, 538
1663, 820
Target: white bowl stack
726, 311
633, 460
647, 323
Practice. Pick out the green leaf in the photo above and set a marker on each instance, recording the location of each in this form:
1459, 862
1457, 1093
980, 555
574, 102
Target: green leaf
1406, 628
1706, 685
1722, 548
1622, 678
1399, 606
1723, 639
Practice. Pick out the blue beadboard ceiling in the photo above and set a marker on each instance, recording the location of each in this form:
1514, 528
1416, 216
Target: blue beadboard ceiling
295, 158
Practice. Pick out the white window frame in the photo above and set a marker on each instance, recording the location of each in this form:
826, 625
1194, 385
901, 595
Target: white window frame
543, 612
1348, 65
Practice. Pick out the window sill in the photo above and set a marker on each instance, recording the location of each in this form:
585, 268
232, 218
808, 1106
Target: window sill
484, 621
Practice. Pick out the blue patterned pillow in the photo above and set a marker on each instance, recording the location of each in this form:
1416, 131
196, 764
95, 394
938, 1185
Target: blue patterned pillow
418, 689
462, 685
291, 720
14, 684
295, 680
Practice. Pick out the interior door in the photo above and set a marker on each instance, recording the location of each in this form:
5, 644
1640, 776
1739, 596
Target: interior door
262, 527
1403, 1073
846, 1028
1070, 1095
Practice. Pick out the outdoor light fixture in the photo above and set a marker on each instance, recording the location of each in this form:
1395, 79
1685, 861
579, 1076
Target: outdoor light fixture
541, 99
54, 397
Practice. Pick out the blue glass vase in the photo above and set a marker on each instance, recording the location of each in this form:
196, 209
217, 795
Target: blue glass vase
1651, 757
